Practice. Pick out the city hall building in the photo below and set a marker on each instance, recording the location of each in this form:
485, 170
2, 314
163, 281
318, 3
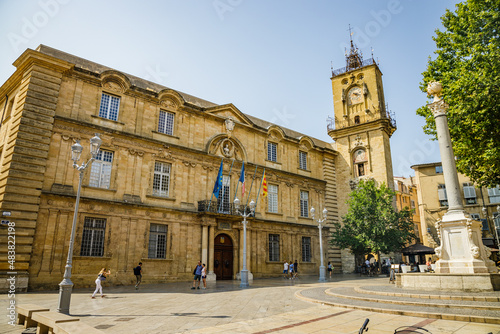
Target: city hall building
147, 197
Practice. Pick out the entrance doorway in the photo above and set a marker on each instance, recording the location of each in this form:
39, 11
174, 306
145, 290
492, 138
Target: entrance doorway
223, 257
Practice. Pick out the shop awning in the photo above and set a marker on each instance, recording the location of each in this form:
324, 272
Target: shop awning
417, 249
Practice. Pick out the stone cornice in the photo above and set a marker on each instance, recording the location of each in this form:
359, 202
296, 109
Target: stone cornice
379, 124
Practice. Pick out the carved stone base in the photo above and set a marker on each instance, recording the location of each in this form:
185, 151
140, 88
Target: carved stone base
211, 277
449, 282
462, 250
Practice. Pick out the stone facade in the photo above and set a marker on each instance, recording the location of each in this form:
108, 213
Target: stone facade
147, 197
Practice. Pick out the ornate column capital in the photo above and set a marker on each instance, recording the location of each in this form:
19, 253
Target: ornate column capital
438, 108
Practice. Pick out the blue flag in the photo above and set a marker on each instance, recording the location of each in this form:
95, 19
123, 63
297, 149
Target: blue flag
218, 182
242, 180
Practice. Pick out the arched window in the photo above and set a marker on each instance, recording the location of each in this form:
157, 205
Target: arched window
360, 162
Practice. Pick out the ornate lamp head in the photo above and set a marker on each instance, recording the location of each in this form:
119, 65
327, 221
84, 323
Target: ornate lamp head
76, 151
95, 145
236, 203
252, 206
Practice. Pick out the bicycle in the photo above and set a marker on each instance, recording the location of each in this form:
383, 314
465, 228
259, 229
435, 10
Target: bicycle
401, 329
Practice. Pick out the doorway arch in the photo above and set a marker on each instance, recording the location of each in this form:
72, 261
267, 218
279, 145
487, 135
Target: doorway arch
223, 257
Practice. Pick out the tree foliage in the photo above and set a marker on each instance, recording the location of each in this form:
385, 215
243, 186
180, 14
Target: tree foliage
468, 66
372, 224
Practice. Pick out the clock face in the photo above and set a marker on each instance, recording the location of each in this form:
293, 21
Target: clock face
355, 95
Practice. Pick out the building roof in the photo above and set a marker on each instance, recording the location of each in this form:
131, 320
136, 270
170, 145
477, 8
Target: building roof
96, 68
430, 164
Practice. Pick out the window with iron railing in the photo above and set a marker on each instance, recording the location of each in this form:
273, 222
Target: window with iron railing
306, 249
157, 241
274, 247
93, 237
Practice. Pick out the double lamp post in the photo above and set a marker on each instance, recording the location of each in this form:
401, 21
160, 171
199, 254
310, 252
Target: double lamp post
320, 221
244, 271
66, 286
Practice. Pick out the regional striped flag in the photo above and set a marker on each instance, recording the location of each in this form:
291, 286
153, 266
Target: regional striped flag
264, 185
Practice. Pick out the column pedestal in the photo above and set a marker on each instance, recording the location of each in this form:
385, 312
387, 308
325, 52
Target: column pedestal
462, 250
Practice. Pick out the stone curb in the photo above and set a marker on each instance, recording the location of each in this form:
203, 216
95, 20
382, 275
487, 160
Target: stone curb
443, 316
400, 302
422, 296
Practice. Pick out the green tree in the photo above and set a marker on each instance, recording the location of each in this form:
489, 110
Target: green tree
468, 66
372, 224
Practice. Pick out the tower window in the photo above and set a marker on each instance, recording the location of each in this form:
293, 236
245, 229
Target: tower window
356, 120
360, 162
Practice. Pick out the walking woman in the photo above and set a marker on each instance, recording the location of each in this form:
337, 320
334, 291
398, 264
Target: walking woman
204, 276
100, 277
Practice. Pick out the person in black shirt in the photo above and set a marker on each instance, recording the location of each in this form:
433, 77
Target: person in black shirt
138, 275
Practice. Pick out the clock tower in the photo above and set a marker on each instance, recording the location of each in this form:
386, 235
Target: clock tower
361, 128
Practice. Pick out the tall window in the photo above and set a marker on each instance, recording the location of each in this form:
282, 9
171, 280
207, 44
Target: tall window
161, 179
443, 198
439, 169
412, 204
157, 241
274, 247
306, 249
224, 194
494, 194
360, 162
100, 171
303, 160
304, 204
469, 193
166, 122
272, 151
272, 198
109, 107
93, 237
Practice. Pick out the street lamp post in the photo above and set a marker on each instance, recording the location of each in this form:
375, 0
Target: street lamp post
320, 221
66, 286
244, 271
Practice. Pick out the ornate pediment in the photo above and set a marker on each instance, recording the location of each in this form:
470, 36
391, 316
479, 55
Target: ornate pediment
227, 147
230, 111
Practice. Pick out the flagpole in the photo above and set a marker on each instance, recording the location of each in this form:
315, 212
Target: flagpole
223, 190
210, 203
237, 184
251, 184
258, 194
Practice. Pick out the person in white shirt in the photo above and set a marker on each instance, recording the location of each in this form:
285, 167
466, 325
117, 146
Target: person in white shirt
285, 270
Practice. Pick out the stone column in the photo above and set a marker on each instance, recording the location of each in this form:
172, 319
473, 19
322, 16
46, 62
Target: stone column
204, 244
461, 250
211, 238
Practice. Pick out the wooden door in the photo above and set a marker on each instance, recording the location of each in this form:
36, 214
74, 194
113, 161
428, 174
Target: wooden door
223, 257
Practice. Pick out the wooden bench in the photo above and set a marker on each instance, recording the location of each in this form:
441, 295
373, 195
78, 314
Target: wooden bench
47, 321
75, 328
25, 313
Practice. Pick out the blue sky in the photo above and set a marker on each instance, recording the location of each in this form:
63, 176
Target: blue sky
271, 59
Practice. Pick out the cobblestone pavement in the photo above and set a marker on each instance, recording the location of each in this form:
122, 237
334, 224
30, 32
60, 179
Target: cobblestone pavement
268, 306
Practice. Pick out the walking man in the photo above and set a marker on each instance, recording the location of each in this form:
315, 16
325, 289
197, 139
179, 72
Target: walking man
197, 275
138, 275
285, 270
